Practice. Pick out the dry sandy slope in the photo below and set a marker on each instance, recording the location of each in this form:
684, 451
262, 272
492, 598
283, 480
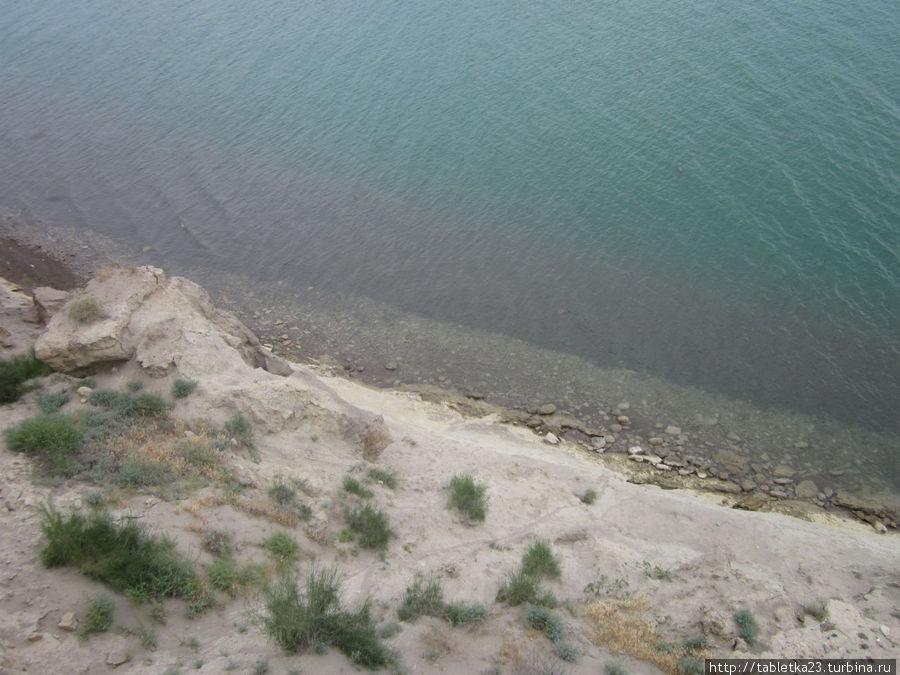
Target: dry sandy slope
720, 559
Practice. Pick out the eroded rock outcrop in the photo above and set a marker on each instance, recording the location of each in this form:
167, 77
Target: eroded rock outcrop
169, 327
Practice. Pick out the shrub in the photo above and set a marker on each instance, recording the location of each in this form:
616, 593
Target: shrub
817, 610
218, 542
422, 598
53, 439
521, 588
589, 497
134, 386
691, 665
383, 476
136, 471
458, 614
124, 557
240, 429
225, 575
747, 623
183, 388
468, 497
354, 487
539, 561
99, 615
283, 547
614, 668
296, 620
282, 493
657, 572
16, 371
51, 403
85, 309
142, 404
693, 643
549, 623
371, 525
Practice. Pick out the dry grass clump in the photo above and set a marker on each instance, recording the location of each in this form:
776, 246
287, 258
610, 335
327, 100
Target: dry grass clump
150, 454
85, 309
260, 508
621, 626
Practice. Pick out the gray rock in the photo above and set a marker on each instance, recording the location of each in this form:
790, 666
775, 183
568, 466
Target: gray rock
635, 450
783, 481
783, 471
116, 658
672, 430
598, 442
623, 420
391, 365
656, 440
547, 409
551, 438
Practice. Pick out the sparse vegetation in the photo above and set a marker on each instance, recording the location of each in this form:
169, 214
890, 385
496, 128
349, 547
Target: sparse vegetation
747, 623
354, 487
123, 556
371, 525
98, 617
51, 403
183, 388
691, 665
383, 477
542, 619
816, 610
694, 643
134, 386
227, 576
85, 309
281, 493
468, 496
520, 588
458, 614
314, 618
54, 440
657, 572
614, 668
589, 496
539, 561
129, 404
15, 372
218, 542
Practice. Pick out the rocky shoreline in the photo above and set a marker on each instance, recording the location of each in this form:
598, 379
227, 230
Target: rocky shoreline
646, 450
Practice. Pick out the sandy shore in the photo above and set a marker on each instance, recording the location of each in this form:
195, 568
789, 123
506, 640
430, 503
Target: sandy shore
642, 569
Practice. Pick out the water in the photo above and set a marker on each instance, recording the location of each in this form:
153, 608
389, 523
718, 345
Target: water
704, 195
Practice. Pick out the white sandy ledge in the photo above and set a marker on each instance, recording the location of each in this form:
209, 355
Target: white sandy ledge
721, 560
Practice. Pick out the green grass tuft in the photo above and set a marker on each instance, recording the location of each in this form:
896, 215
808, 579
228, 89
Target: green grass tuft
227, 576
542, 619
183, 388
384, 476
85, 309
522, 588
539, 561
134, 386
15, 372
589, 497
468, 496
54, 440
458, 614
691, 665
747, 623
99, 615
614, 668
354, 487
371, 525
298, 620
123, 556
422, 598
141, 404
694, 643
283, 547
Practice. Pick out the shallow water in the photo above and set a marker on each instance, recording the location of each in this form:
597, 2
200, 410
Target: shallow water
693, 196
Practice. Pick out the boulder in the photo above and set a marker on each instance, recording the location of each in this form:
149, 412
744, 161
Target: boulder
48, 301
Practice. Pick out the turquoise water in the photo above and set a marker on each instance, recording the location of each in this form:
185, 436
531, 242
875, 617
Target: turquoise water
706, 193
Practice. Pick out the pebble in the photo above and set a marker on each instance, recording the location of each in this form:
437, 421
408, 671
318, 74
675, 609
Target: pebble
685, 472
702, 474
663, 467
615, 427
672, 430
635, 450
598, 442
779, 493
783, 471
68, 622
476, 395
625, 405
547, 409
656, 440
748, 485
653, 459
116, 658
806, 489
551, 438
885, 630
623, 420
391, 365
782, 481
534, 422
733, 437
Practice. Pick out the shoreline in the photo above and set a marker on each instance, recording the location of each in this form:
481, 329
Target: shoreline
671, 454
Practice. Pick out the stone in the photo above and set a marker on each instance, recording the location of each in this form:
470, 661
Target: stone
475, 395
635, 450
598, 442
390, 365
656, 440
48, 301
623, 420
624, 405
806, 489
653, 459
116, 658
885, 630
748, 485
547, 409
783, 481
551, 438
534, 422
783, 471
377, 438
68, 622
662, 451
672, 430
